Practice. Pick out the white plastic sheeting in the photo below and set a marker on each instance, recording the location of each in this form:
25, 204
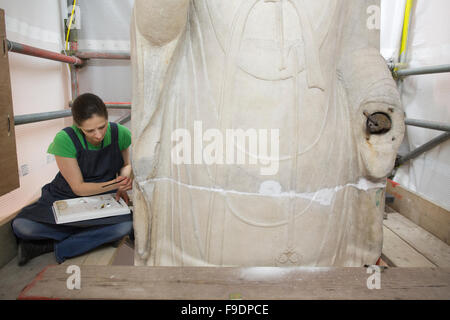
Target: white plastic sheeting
392, 12
424, 97
105, 27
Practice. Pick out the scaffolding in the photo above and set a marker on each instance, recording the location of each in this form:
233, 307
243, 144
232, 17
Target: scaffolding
399, 72
77, 60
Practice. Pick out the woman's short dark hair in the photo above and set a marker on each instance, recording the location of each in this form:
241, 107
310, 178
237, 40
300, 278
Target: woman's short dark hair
87, 105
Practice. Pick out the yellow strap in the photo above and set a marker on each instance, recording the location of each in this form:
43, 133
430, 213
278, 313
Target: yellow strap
70, 23
406, 22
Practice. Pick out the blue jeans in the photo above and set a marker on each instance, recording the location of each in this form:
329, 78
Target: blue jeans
71, 241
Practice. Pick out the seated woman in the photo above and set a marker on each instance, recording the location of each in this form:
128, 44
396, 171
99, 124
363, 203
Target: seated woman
90, 154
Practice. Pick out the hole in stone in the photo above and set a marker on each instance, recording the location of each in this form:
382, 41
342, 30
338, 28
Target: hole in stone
378, 123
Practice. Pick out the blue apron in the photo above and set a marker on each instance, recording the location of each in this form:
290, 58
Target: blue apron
96, 166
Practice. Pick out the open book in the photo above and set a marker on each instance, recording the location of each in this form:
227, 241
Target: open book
87, 208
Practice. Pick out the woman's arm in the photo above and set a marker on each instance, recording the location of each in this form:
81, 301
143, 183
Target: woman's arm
71, 172
126, 171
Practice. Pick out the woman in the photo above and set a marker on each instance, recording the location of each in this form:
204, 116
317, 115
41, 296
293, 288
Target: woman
90, 154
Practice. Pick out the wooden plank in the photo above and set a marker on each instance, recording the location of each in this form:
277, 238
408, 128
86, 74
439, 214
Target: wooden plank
421, 240
205, 283
398, 253
8, 160
423, 212
9, 218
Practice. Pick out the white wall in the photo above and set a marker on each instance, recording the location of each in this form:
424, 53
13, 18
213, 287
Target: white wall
38, 85
424, 97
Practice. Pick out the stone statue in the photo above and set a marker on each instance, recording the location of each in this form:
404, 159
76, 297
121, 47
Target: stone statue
263, 131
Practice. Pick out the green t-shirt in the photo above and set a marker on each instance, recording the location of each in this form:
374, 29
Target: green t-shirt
63, 146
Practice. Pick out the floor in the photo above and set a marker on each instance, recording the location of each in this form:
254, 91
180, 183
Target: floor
405, 245
13, 279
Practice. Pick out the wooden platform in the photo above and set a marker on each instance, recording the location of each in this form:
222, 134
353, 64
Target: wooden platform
415, 248
421, 211
407, 245
416, 230
206, 283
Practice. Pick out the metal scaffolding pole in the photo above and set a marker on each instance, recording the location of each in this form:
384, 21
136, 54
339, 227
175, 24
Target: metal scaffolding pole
124, 119
74, 82
44, 116
113, 105
422, 70
103, 55
118, 105
41, 53
428, 124
423, 148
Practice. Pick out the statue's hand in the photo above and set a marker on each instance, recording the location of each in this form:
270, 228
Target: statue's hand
379, 132
378, 118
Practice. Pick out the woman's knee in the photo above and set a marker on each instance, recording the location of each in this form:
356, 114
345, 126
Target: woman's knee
25, 228
124, 228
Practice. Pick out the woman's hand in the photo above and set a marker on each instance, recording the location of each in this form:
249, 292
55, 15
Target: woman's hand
125, 185
122, 194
